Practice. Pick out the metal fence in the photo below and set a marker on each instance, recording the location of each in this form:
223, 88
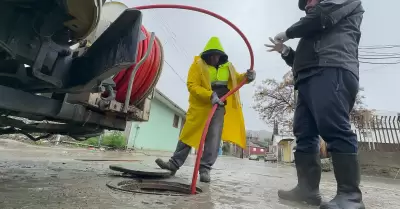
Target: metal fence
379, 133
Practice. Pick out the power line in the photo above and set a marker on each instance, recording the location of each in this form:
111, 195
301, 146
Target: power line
379, 47
380, 63
174, 42
173, 36
366, 61
383, 54
378, 58
373, 53
173, 69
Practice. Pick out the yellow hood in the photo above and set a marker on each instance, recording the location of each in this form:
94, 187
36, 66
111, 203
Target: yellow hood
214, 46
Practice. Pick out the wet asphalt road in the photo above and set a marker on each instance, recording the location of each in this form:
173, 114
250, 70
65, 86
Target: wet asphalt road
41, 177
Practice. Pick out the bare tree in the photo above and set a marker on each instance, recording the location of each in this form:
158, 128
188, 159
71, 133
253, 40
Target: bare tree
275, 101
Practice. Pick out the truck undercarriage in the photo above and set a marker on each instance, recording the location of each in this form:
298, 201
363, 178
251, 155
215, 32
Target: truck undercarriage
52, 80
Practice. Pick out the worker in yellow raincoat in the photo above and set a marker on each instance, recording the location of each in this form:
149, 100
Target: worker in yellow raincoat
210, 77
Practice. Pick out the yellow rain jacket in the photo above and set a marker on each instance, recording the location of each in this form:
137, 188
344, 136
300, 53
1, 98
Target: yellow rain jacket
199, 86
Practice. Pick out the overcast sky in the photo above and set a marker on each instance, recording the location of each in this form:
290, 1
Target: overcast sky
185, 33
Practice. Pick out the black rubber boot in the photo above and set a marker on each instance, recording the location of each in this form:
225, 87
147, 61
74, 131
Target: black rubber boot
205, 176
308, 168
347, 173
167, 166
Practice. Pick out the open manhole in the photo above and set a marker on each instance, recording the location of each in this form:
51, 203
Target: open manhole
156, 187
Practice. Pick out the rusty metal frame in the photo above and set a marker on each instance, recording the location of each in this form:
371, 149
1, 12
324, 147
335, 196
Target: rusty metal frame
15, 102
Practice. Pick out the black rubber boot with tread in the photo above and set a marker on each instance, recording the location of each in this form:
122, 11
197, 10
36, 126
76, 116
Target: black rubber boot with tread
308, 168
166, 166
205, 176
347, 173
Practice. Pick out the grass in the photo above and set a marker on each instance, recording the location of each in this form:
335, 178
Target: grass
114, 140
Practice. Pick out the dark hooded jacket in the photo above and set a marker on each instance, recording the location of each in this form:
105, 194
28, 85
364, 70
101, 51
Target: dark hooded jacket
329, 37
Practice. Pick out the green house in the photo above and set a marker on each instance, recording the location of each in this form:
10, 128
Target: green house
161, 132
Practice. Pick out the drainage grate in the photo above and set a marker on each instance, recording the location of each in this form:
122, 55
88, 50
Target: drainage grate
156, 187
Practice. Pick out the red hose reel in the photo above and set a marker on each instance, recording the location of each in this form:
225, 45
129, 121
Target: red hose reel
147, 74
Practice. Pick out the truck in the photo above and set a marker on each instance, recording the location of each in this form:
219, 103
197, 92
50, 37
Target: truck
57, 62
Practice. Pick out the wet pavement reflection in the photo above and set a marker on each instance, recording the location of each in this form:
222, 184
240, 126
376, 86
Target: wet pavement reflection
42, 177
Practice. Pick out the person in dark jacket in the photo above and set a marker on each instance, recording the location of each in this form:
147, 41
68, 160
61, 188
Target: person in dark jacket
326, 71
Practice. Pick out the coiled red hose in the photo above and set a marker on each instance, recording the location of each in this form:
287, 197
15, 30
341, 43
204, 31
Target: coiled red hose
203, 137
146, 76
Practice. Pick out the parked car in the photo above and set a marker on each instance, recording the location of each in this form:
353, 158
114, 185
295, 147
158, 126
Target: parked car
254, 157
270, 157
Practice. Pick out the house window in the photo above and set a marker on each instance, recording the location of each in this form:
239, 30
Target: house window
182, 123
254, 149
175, 124
262, 150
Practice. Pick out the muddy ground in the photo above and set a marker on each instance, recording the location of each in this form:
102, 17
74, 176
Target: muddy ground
52, 177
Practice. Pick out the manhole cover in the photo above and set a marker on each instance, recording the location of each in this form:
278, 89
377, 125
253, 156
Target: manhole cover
106, 160
141, 170
156, 187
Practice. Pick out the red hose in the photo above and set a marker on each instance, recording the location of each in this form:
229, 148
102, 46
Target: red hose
203, 137
145, 77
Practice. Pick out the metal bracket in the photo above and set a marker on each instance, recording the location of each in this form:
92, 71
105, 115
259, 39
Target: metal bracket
131, 79
38, 64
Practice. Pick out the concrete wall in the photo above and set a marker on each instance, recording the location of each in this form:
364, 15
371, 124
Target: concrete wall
158, 133
384, 161
381, 147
